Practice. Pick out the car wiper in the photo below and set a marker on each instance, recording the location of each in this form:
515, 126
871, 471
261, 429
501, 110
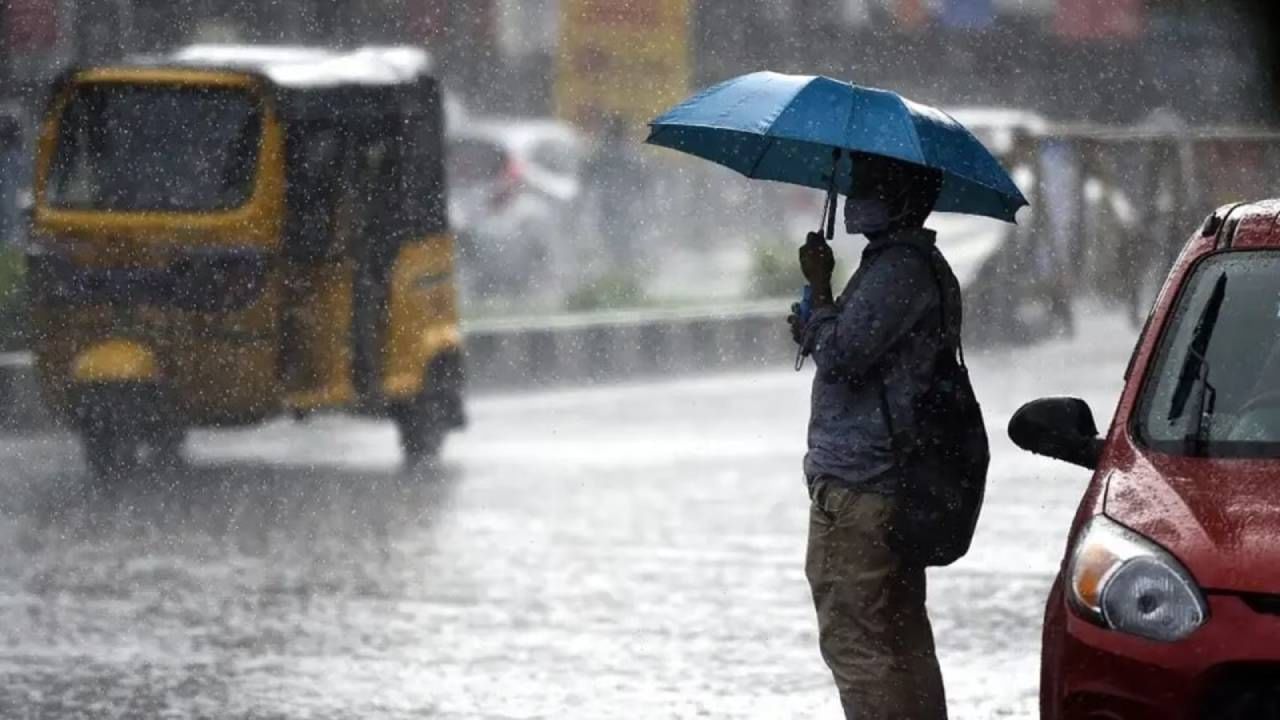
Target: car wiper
1206, 399
1193, 380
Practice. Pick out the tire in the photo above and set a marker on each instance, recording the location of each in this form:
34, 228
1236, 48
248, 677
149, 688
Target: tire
427, 419
111, 456
421, 431
166, 447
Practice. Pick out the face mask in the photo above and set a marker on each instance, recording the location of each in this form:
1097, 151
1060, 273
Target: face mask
865, 215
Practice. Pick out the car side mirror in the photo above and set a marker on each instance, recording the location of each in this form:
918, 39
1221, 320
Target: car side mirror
1061, 428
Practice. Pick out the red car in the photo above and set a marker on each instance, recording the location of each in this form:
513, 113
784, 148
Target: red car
1167, 604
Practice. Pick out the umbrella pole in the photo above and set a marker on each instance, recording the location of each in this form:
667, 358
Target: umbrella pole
826, 210
831, 214
828, 226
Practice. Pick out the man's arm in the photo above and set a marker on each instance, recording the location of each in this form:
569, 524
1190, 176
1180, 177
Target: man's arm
889, 300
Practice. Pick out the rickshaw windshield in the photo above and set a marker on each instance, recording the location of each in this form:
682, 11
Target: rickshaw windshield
155, 148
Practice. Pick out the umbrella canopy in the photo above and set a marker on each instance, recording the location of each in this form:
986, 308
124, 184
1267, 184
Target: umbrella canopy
786, 127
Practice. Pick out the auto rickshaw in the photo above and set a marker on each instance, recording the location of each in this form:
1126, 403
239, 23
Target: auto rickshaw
230, 233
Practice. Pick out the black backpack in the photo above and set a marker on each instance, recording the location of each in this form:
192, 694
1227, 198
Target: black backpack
943, 459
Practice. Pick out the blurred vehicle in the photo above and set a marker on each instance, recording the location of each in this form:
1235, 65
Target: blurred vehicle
231, 233
1088, 210
514, 188
1166, 603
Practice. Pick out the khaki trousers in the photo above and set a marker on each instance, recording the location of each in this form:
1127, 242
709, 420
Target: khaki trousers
873, 630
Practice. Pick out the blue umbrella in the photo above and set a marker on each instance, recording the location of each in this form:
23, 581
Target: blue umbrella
787, 128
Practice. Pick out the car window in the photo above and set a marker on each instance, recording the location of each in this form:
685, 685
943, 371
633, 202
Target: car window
1214, 387
474, 162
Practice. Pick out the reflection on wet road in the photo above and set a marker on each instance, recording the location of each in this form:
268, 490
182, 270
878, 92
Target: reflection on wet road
216, 590
627, 552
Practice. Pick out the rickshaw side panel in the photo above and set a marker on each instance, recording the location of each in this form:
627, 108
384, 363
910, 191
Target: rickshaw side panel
423, 310
321, 376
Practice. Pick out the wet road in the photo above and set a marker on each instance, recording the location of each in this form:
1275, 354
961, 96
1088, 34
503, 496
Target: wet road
624, 552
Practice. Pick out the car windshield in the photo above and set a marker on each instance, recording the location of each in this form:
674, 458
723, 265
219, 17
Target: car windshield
1214, 389
131, 148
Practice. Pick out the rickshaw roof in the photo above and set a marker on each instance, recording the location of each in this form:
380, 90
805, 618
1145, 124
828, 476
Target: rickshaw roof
321, 83
308, 68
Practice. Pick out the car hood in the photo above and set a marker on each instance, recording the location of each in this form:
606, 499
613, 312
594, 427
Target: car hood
1221, 518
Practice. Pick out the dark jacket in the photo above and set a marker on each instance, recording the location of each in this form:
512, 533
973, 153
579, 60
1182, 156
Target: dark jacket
886, 325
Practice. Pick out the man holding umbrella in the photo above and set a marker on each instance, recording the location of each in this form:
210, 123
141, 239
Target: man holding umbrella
897, 456
874, 346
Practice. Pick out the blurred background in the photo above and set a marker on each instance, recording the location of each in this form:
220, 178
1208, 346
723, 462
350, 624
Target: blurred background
559, 208
1198, 58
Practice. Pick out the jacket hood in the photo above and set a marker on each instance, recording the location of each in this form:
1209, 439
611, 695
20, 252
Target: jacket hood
923, 237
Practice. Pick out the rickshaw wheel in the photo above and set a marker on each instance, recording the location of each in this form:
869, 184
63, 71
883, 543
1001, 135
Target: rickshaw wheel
425, 420
166, 447
111, 455
421, 432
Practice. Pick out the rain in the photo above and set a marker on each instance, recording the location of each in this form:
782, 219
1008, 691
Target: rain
383, 360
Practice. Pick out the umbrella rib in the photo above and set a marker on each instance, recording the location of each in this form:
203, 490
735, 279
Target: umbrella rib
760, 158
915, 132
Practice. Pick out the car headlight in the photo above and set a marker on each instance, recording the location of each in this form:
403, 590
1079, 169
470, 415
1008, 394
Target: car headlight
1123, 581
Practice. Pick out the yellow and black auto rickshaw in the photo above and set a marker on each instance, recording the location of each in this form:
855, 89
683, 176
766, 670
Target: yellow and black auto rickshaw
229, 233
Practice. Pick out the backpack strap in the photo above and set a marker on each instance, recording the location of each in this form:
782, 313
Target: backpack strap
950, 342
951, 335
886, 412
